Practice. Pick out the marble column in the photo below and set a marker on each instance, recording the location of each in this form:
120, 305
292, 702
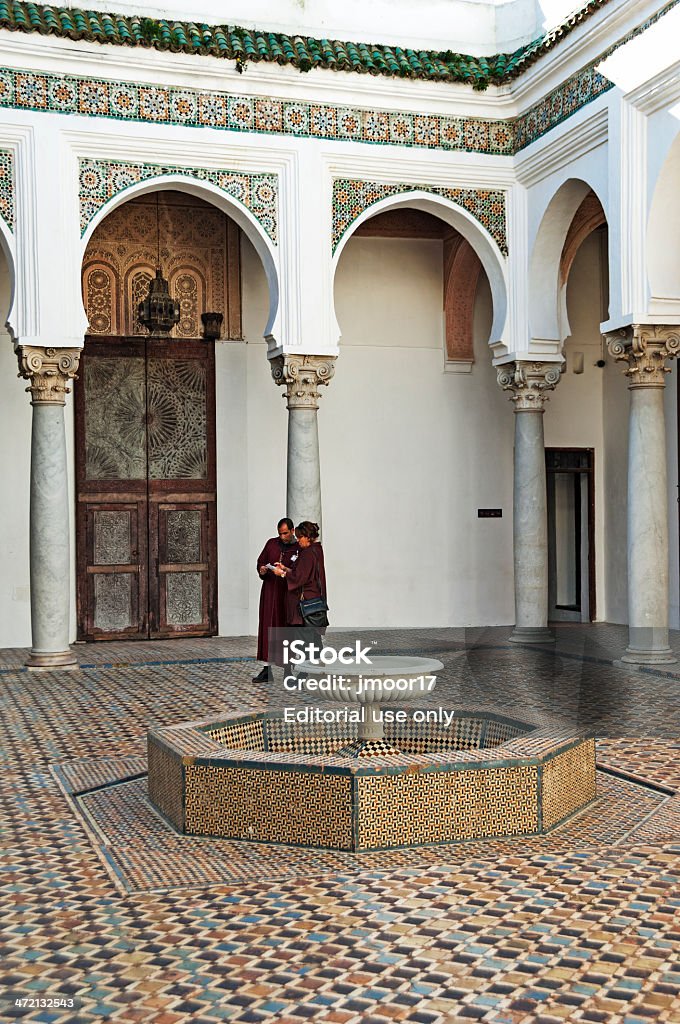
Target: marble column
528, 384
644, 349
302, 375
49, 370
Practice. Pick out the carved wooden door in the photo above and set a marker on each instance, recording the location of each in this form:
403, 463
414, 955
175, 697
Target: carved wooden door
146, 516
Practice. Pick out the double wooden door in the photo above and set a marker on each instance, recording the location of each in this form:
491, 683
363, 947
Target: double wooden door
146, 501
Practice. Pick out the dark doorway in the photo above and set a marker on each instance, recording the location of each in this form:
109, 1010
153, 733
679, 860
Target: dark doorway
146, 489
571, 534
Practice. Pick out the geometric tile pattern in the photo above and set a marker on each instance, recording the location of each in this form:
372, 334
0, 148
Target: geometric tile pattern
559, 104
157, 104
444, 806
144, 852
289, 788
7, 187
240, 736
100, 180
166, 782
568, 781
500, 732
577, 925
464, 733
352, 197
269, 806
286, 737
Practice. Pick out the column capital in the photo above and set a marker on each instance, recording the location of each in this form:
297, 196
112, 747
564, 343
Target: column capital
49, 370
302, 376
645, 348
529, 383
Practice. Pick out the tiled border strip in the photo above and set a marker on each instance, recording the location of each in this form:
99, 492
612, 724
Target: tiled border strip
7, 187
100, 180
195, 108
352, 197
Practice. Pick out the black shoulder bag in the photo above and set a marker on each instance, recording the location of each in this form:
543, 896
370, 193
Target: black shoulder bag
314, 610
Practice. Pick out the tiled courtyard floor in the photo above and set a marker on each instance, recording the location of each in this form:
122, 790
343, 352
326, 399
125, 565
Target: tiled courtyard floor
104, 904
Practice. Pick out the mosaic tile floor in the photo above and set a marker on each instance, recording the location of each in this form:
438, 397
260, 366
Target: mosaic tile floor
581, 925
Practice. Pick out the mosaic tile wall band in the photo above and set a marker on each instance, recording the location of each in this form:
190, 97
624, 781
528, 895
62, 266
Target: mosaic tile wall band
132, 101
352, 197
7, 187
100, 180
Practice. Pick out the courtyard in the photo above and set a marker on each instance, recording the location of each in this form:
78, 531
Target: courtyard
107, 908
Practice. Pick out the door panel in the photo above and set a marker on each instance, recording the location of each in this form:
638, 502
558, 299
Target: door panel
145, 443
183, 598
113, 588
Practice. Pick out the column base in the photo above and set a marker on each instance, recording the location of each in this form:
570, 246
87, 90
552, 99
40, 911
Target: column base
41, 661
648, 645
633, 656
531, 635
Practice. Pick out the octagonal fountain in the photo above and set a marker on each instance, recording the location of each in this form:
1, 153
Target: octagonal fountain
371, 780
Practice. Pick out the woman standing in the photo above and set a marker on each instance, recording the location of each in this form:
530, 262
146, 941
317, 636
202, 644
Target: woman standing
307, 578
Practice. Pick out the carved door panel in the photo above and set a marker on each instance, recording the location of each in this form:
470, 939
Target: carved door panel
114, 585
181, 487
182, 599
146, 523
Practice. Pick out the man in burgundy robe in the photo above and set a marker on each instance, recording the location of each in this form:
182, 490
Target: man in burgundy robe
284, 549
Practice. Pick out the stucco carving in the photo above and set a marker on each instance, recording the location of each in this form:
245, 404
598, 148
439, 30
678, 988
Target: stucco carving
529, 383
645, 349
49, 370
302, 376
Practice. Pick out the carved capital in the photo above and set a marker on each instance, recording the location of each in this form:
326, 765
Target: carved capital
529, 383
49, 371
302, 377
645, 348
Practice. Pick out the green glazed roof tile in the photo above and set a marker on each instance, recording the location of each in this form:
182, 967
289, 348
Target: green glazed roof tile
302, 52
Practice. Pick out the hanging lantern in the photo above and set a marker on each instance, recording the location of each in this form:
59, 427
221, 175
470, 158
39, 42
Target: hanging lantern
159, 312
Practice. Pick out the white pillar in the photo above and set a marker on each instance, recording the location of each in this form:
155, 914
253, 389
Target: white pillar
302, 377
528, 384
49, 370
645, 350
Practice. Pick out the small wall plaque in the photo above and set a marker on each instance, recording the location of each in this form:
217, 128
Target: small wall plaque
489, 513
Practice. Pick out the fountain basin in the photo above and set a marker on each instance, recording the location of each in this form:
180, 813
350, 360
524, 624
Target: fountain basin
253, 776
382, 680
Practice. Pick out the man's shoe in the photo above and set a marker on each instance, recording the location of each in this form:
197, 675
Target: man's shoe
265, 676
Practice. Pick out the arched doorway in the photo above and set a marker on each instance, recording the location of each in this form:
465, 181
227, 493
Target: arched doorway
574, 267
146, 521
422, 425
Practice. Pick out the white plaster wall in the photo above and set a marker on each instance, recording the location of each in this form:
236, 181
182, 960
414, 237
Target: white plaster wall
15, 453
251, 454
574, 413
408, 452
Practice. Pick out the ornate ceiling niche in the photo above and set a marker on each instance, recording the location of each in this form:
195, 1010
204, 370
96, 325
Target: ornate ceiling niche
200, 257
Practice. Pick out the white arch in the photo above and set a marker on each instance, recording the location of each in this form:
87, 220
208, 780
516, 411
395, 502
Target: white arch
663, 237
547, 293
222, 201
7, 250
481, 241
